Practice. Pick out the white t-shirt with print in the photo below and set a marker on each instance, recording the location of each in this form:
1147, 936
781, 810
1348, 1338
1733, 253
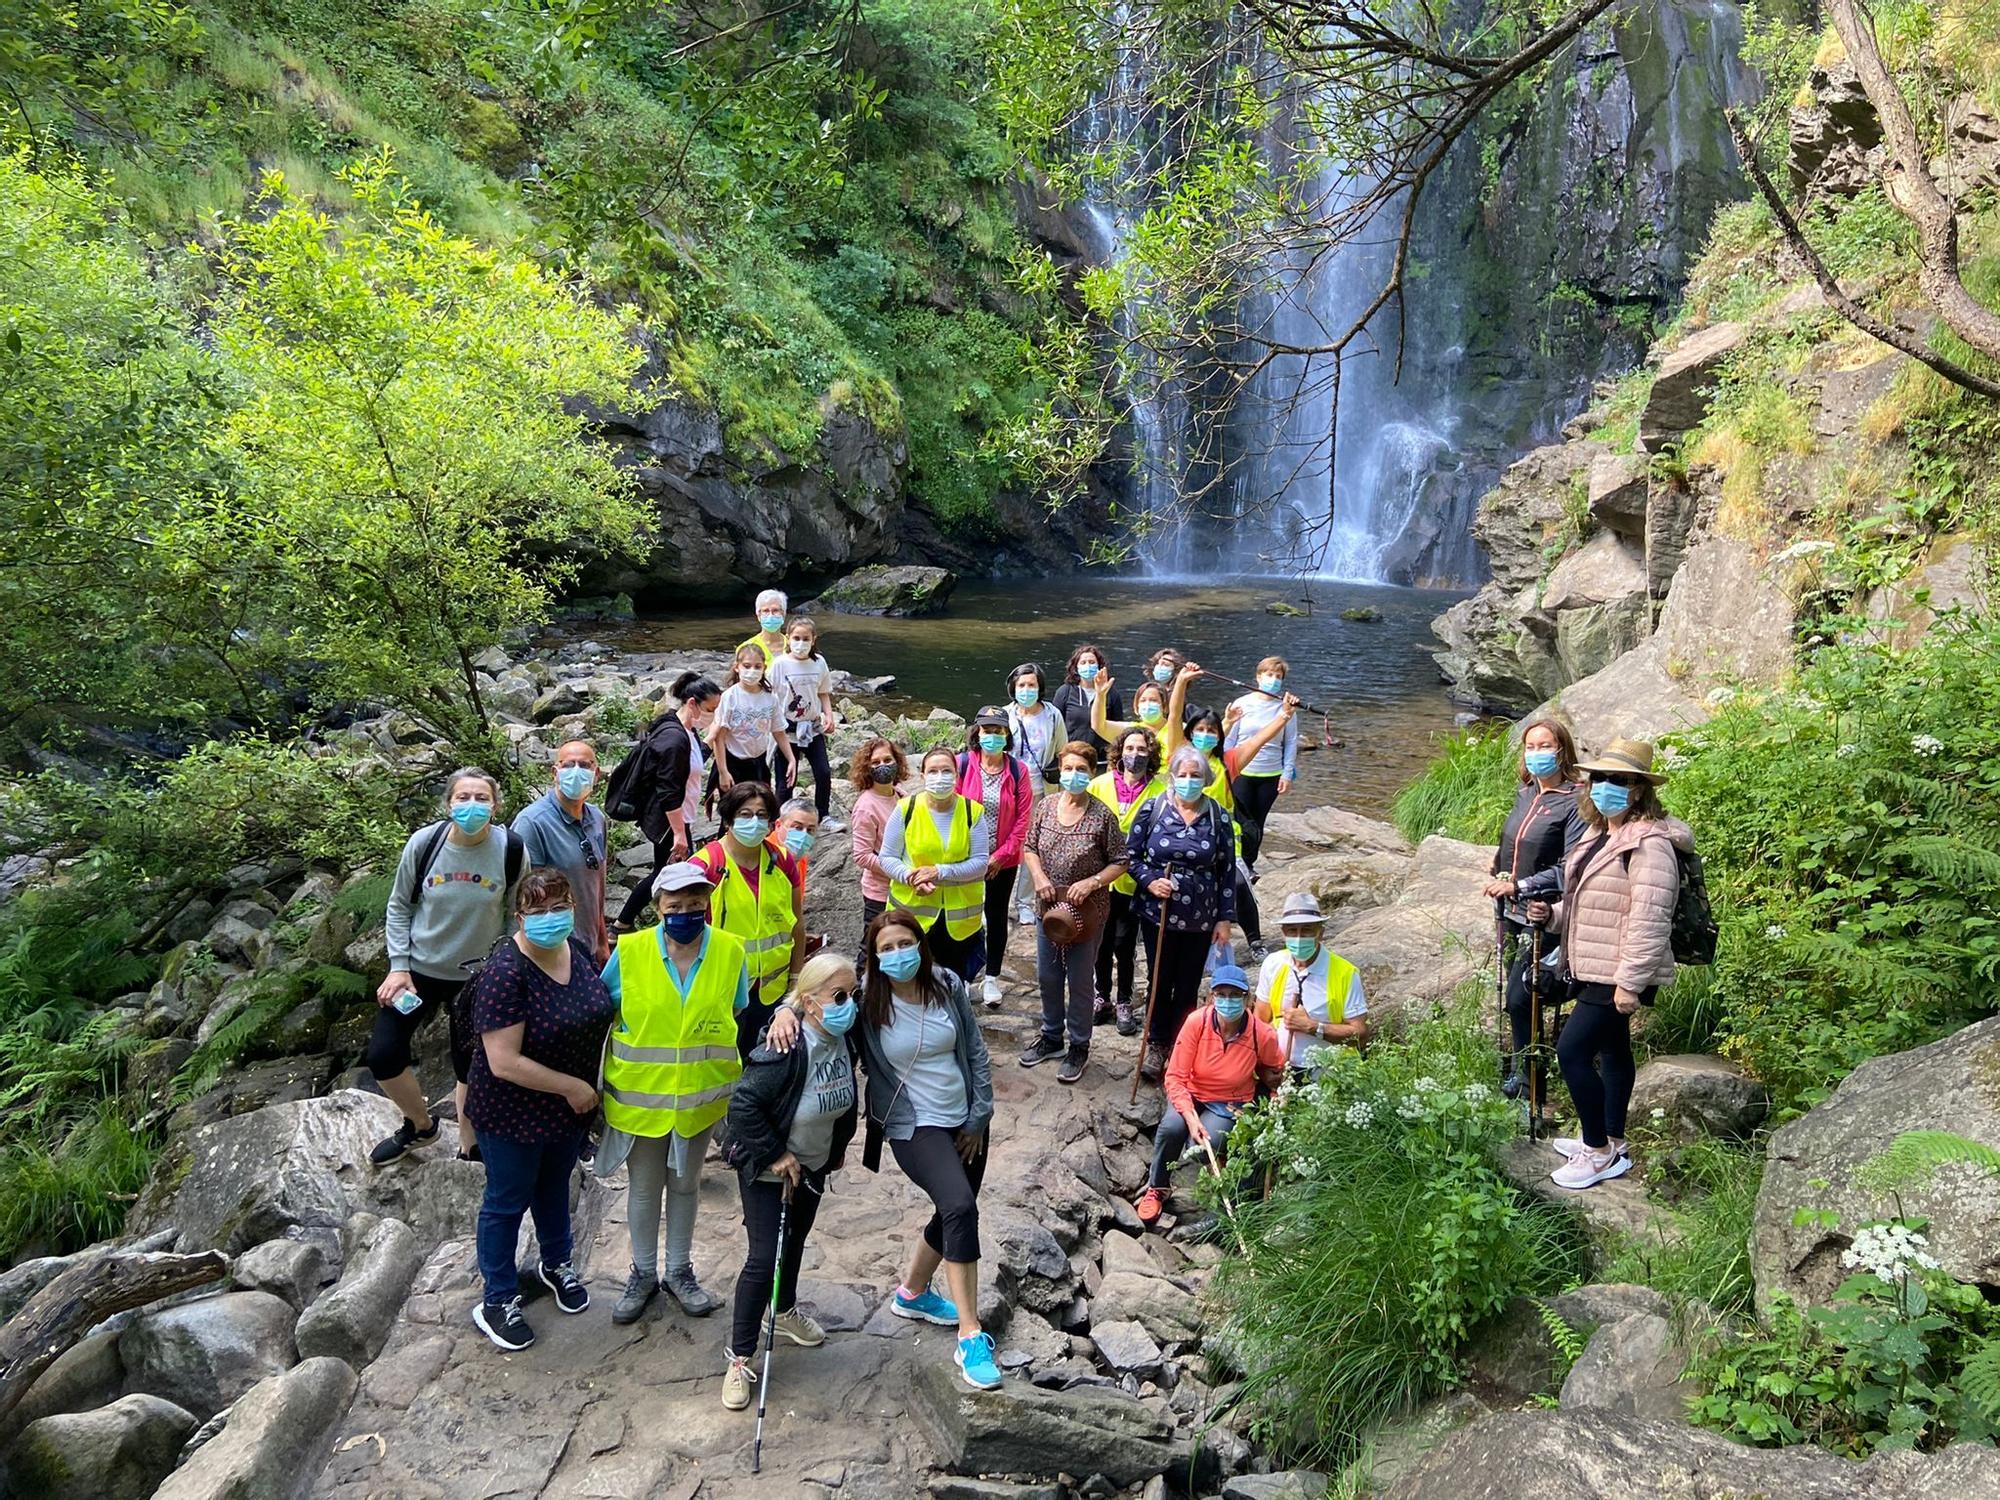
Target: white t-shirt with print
752, 719
798, 685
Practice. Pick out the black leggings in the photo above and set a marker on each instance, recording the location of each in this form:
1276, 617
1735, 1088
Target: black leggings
1120, 941
1247, 916
930, 1159
761, 1202
999, 909
1518, 1010
1255, 796
1182, 958
960, 955
814, 754
751, 767
1595, 1051
387, 1054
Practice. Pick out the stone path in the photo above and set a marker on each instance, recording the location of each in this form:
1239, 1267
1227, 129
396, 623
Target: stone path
593, 1410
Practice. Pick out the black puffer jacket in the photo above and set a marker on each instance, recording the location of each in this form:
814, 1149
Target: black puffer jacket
1543, 827
765, 1101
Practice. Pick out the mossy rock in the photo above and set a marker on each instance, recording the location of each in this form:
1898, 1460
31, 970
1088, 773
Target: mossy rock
1363, 614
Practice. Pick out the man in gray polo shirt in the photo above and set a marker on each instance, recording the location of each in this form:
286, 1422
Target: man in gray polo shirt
562, 831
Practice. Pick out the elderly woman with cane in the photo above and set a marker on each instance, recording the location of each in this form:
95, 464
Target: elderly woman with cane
1182, 851
789, 1123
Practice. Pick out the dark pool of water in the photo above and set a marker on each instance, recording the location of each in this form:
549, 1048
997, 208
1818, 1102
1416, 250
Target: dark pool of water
1388, 705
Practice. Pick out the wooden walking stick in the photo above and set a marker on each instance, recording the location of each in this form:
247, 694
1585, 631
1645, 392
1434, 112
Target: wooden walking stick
1228, 1203
1152, 990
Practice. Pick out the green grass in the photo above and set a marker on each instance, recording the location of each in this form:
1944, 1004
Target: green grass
1466, 792
61, 1197
1712, 1185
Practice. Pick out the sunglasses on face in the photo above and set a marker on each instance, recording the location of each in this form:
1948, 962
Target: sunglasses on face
842, 997
1625, 781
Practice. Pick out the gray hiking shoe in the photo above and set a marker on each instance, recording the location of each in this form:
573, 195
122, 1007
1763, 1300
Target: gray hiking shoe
639, 1289
680, 1285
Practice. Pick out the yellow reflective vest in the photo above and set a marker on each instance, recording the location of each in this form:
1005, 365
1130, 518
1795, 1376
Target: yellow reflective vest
1286, 981
756, 640
673, 1061
1223, 795
1105, 791
763, 921
962, 906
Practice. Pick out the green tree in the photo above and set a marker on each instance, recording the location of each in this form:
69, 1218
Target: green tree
413, 456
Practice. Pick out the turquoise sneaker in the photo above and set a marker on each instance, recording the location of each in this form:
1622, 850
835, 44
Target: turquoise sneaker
929, 1308
975, 1362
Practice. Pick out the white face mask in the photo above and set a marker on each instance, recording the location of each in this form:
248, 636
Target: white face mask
750, 676
802, 649
939, 783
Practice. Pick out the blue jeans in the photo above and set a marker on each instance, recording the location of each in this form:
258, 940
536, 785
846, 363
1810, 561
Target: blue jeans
1073, 966
523, 1179
1172, 1137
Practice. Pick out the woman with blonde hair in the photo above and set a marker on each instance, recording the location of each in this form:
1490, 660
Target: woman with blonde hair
789, 1123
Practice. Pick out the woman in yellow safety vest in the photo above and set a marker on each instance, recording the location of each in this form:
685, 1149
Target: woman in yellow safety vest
1206, 731
772, 606
759, 900
668, 1073
934, 851
1133, 780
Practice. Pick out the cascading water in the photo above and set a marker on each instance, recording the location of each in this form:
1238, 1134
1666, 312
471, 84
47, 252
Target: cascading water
1375, 477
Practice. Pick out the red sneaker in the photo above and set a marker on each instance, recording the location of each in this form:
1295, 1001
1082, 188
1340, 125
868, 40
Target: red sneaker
1150, 1205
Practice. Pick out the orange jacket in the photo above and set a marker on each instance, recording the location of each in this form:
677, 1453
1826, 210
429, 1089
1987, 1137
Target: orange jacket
1207, 1068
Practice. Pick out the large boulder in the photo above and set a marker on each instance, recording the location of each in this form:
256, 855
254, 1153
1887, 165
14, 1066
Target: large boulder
1494, 662
1528, 508
1025, 1430
292, 1269
1726, 622
1812, 1163
1350, 861
1433, 936
352, 1321
1955, 575
1686, 377
1833, 129
1617, 493
1592, 1455
884, 590
202, 1355
1598, 598
1700, 1093
276, 1440
1632, 1367
118, 1452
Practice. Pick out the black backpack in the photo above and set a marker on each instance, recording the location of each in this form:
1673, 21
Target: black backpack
516, 857
626, 792
1694, 931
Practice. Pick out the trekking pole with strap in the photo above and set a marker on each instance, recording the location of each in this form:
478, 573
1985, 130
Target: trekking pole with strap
1152, 988
1506, 1041
1325, 714
1537, 1066
771, 1328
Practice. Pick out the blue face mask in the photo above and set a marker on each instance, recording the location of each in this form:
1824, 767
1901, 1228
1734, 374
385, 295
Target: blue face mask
750, 829
900, 963
837, 1019
1187, 788
471, 816
1150, 713
1027, 697
772, 623
798, 842
1302, 948
1272, 685
993, 744
548, 929
1088, 671
1228, 1007
1205, 742
1076, 781
684, 926
1540, 762
1611, 798
575, 782
1164, 672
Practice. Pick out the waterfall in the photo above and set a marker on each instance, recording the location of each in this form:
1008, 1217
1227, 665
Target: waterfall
1607, 194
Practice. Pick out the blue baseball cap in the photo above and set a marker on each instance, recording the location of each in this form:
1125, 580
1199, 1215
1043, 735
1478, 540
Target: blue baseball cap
1228, 976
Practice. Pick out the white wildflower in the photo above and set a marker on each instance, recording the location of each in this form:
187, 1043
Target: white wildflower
1927, 745
1845, 751
1412, 1108
1359, 1114
1773, 931
1659, 1115
1888, 1252
1720, 696
1426, 1085
1300, 1166
1477, 1093
1811, 547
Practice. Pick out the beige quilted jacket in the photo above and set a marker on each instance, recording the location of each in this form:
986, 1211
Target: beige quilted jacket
1617, 909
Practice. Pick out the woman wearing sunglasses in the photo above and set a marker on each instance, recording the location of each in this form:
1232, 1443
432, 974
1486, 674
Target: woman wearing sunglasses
1615, 915
790, 1120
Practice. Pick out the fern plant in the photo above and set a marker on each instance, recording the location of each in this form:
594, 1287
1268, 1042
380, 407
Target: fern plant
1915, 1156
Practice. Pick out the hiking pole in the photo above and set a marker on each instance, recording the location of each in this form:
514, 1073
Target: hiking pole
1536, 1065
771, 1328
1152, 990
1500, 985
1228, 1202
1325, 714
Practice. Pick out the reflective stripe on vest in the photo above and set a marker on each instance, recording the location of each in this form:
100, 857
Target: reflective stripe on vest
1105, 791
762, 922
673, 1059
1339, 980
962, 906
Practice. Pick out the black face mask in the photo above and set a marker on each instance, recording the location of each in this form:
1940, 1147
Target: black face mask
882, 775
1135, 765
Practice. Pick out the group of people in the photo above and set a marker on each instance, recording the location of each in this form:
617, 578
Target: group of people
704, 1012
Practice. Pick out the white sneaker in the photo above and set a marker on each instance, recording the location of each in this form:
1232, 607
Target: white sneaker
799, 1327
1568, 1145
834, 825
991, 992
736, 1383
1588, 1168
1025, 915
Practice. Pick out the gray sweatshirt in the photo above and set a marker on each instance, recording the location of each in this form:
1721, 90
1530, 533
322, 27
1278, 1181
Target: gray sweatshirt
464, 908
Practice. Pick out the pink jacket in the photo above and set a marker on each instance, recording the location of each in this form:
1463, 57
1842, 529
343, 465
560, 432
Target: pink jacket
865, 828
1617, 910
1017, 805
